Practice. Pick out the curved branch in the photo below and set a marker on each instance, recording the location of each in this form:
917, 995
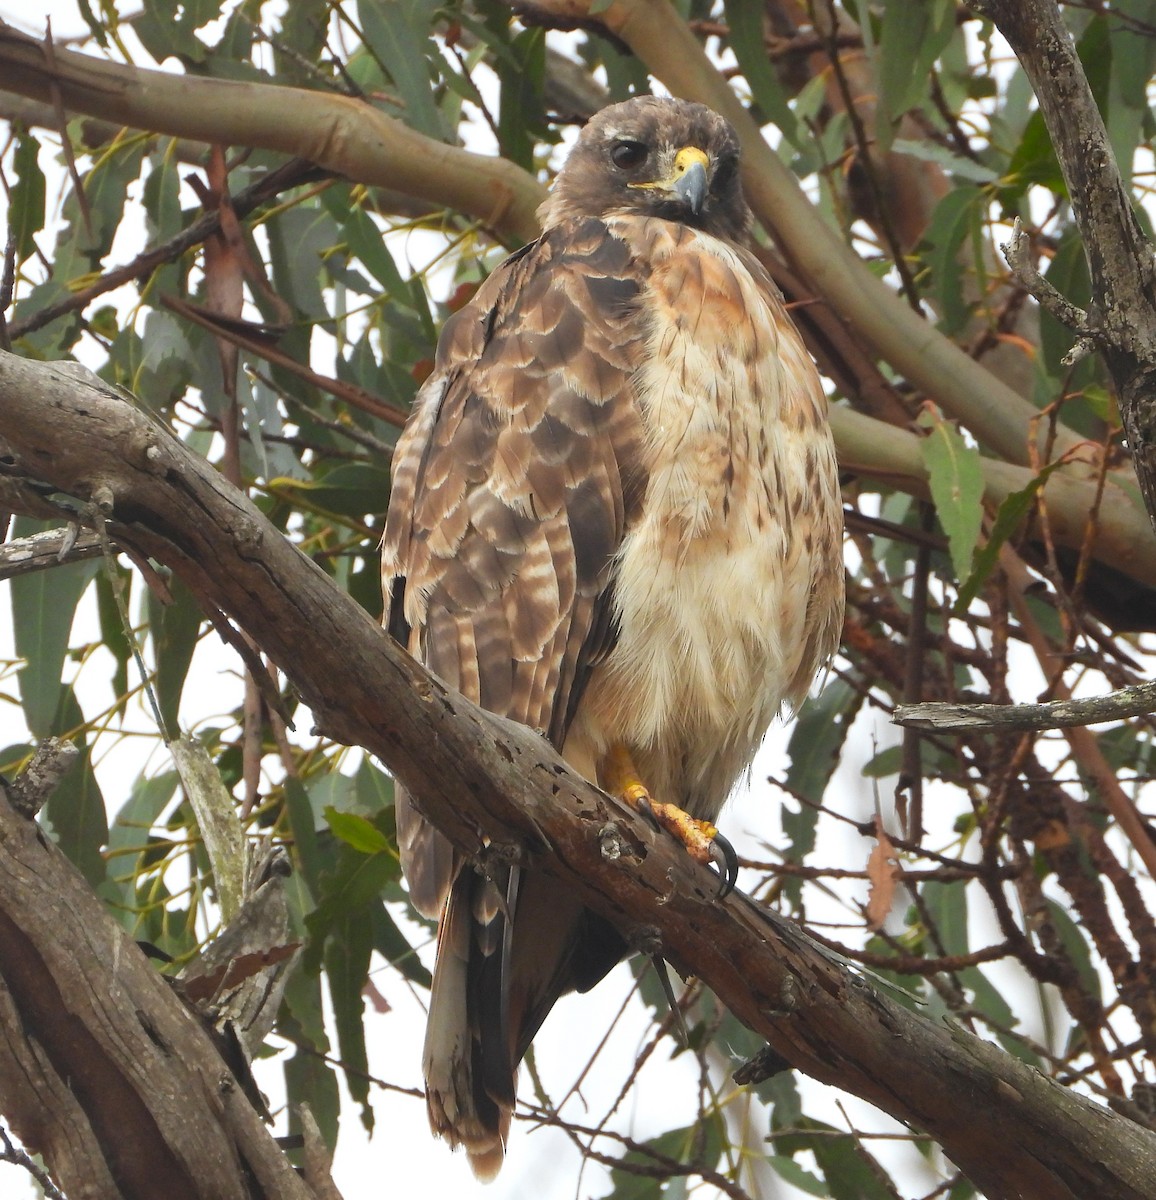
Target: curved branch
1124, 537
343, 135
479, 777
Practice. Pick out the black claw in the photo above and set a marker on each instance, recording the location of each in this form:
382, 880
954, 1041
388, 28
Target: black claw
643, 807
727, 860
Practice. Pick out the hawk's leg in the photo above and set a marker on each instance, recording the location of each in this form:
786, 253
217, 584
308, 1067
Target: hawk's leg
702, 840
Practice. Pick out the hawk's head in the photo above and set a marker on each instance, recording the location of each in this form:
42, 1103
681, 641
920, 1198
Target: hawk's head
656, 157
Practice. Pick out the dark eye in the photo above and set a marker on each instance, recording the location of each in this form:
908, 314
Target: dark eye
724, 173
627, 155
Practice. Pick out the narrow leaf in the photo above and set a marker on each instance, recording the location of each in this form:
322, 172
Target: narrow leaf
956, 480
43, 605
26, 205
217, 820
357, 831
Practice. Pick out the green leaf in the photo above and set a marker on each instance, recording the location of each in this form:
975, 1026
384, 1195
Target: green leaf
347, 954
127, 838
352, 489
1032, 162
886, 762
814, 749
955, 477
106, 188
397, 34
357, 832
26, 203
43, 606
175, 629
112, 633
957, 217
701, 1143
365, 240
1103, 403
75, 812
747, 42
1077, 947
955, 164
1013, 511
374, 787
947, 904
308, 1077
851, 1171
912, 38
165, 367
351, 886
1068, 274
303, 823
786, 1168
522, 98
391, 944
162, 204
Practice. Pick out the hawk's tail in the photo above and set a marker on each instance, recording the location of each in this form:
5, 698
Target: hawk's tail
508, 947
469, 1075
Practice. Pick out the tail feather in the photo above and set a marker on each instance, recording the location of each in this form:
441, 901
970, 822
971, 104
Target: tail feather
508, 948
468, 1074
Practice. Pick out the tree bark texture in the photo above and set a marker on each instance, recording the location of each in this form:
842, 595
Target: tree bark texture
1122, 316
1014, 1132
103, 1069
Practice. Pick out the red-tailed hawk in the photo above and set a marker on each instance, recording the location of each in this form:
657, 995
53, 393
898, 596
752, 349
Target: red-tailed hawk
615, 517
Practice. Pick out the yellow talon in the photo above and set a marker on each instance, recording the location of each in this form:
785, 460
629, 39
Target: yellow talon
620, 776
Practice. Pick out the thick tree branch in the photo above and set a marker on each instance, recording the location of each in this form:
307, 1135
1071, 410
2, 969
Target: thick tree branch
1122, 316
342, 134
103, 1069
478, 776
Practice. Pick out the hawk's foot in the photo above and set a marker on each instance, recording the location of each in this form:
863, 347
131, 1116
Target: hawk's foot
702, 840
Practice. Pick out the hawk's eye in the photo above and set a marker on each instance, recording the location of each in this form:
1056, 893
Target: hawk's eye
627, 155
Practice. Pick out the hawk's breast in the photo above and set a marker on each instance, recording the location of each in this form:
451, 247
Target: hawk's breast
715, 583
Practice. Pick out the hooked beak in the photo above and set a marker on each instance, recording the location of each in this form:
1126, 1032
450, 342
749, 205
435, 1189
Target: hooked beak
690, 181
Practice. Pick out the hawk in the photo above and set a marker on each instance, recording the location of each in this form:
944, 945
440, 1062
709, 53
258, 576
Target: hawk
615, 517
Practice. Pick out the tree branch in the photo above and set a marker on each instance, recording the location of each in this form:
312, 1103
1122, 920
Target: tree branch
49, 548
1137, 701
480, 777
1122, 315
103, 1070
339, 133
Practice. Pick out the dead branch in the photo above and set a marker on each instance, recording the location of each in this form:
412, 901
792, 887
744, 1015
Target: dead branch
1137, 701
